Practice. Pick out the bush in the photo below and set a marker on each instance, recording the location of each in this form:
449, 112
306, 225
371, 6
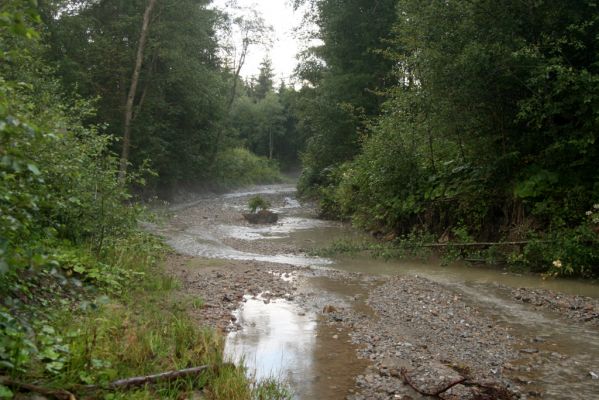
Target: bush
572, 252
58, 176
238, 167
258, 203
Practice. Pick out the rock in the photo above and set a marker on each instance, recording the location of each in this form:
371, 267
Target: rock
529, 351
329, 309
261, 217
460, 392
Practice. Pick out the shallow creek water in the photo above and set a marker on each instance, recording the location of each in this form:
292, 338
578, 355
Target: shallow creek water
281, 340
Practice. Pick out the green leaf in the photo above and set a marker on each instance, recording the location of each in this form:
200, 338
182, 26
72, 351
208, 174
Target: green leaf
5, 393
50, 354
33, 168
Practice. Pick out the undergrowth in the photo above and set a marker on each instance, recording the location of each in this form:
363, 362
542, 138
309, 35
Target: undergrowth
565, 252
237, 167
67, 326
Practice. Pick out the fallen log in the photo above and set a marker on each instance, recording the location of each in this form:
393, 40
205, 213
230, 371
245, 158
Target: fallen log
475, 244
151, 379
54, 393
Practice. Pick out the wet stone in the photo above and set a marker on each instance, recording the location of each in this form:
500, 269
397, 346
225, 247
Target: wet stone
262, 217
529, 351
460, 392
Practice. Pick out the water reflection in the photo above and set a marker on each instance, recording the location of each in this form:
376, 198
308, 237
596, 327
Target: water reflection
281, 340
276, 341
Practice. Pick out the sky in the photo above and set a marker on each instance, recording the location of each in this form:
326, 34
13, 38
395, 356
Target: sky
280, 15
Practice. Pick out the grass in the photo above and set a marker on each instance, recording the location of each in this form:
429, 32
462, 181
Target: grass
143, 329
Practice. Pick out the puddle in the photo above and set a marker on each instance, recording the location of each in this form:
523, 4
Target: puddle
281, 340
274, 340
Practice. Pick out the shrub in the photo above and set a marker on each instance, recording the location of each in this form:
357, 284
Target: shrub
258, 203
238, 166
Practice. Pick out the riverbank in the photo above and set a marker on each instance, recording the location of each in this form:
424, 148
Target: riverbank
392, 328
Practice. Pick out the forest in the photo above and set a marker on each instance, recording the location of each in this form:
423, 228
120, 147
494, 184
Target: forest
469, 121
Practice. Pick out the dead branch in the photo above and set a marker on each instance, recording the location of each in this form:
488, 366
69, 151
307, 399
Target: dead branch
54, 393
477, 244
150, 379
406, 378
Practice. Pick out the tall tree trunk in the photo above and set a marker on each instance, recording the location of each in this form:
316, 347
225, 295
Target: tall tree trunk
143, 37
231, 100
270, 144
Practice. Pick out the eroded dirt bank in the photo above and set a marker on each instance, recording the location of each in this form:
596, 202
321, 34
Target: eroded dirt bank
359, 335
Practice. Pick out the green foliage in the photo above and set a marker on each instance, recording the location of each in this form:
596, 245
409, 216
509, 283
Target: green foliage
565, 251
16, 18
344, 73
85, 267
258, 203
271, 389
238, 167
180, 105
488, 131
82, 299
16, 349
57, 176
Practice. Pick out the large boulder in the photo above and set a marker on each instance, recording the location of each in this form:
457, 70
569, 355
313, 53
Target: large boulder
261, 217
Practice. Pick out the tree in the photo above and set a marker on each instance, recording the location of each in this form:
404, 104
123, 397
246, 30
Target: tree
264, 84
143, 37
249, 27
180, 96
343, 75
489, 129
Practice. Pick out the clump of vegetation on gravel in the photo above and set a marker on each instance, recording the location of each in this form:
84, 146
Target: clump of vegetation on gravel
258, 203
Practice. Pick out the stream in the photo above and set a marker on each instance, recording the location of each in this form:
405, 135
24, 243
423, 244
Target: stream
282, 339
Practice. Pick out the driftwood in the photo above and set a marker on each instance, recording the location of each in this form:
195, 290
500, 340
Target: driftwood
137, 381
150, 379
480, 390
54, 393
432, 393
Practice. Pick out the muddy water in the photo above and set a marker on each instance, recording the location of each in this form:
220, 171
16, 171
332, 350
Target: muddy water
281, 340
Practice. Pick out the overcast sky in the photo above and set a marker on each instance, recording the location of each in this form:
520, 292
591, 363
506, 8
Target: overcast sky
280, 15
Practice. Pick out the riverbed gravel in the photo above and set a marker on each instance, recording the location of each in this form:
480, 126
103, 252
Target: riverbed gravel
578, 308
416, 335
